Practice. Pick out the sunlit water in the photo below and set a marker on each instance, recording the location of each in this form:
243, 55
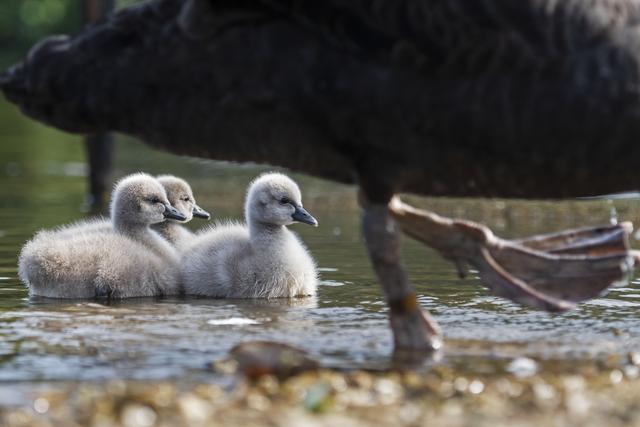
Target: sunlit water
42, 184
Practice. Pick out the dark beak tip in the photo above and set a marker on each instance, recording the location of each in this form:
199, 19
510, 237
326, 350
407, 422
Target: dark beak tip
173, 213
301, 215
309, 221
201, 213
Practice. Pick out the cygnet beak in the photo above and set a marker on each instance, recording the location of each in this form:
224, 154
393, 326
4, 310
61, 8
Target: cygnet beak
198, 212
172, 213
303, 216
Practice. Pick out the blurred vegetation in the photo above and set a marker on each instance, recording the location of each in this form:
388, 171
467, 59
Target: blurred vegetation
24, 22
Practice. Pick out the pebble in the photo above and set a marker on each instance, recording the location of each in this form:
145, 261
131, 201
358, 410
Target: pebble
523, 367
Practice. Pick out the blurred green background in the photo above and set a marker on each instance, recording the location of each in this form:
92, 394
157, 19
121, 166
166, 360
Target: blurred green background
23, 22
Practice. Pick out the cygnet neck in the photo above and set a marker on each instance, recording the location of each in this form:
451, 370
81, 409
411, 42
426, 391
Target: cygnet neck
263, 231
167, 228
144, 234
129, 228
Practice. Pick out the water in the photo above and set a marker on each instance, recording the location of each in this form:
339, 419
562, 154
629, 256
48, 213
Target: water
43, 341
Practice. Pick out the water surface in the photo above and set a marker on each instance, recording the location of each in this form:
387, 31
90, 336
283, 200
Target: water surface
42, 184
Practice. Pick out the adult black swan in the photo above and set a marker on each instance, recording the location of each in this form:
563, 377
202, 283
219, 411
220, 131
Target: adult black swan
528, 98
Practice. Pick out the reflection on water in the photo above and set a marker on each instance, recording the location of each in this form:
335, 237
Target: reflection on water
42, 184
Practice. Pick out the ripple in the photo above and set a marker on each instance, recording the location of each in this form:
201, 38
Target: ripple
235, 321
629, 296
612, 303
331, 283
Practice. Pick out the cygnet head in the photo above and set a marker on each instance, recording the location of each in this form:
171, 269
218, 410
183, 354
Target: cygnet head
181, 197
274, 198
141, 199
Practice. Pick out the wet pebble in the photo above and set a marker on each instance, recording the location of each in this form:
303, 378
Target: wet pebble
318, 397
523, 367
194, 409
577, 404
631, 371
616, 376
322, 397
476, 387
135, 415
545, 394
258, 358
41, 405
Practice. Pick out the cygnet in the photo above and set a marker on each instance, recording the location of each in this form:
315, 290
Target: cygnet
129, 261
181, 197
259, 259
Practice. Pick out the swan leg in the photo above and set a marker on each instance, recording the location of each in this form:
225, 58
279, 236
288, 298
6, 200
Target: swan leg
413, 328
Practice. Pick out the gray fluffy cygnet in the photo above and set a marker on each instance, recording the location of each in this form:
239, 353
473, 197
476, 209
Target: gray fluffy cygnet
180, 196
259, 259
129, 260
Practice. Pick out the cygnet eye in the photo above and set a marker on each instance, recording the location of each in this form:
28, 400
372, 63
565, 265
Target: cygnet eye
186, 198
155, 200
284, 201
